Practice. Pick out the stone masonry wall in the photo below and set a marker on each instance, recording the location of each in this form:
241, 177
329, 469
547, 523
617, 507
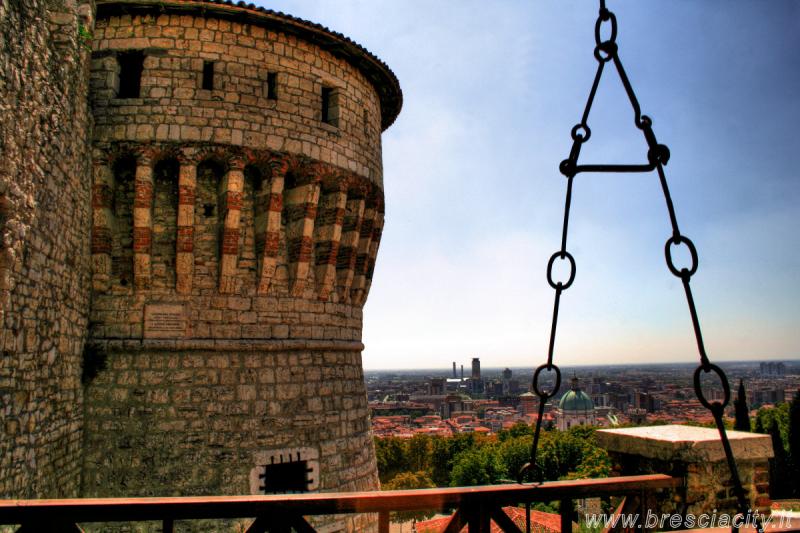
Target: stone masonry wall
194, 422
45, 130
173, 106
234, 239
696, 456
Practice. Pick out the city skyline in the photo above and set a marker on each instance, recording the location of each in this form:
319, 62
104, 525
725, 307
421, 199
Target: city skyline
474, 199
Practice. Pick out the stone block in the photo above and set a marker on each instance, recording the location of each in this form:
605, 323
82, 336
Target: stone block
684, 443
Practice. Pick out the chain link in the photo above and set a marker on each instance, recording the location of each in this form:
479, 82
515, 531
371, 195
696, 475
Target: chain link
657, 157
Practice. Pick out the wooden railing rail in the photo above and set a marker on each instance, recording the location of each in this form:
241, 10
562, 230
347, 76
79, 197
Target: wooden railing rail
475, 506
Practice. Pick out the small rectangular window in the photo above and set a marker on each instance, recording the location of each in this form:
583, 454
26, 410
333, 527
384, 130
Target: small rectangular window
284, 477
330, 106
131, 65
208, 75
272, 85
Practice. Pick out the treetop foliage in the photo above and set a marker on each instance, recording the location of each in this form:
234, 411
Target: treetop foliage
468, 459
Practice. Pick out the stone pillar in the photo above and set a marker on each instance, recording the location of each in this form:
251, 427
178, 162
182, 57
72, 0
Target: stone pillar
231, 206
184, 257
377, 231
143, 222
301, 209
696, 455
348, 248
329, 234
102, 220
272, 237
362, 257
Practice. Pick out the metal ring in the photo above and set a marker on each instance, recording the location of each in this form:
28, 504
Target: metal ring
606, 47
538, 475
560, 285
692, 250
544, 396
581, 136
698, 389
658, 154
608, 16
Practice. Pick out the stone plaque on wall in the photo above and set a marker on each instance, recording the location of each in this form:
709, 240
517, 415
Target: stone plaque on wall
165, 321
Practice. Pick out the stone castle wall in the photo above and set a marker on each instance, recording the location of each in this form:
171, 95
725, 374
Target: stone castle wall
45, 129
173, 106
234, 237
196, 423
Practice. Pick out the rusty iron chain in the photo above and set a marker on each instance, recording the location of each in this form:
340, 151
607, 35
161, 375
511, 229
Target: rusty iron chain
606, 51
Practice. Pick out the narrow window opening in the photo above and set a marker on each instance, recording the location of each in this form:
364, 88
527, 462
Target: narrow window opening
272, 85
208, 75
330, 106
284, 477
131, 65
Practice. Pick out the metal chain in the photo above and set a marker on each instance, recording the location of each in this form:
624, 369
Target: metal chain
657, 157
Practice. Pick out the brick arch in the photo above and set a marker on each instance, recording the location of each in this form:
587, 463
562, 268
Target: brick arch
164, 214
159, 153
111, 155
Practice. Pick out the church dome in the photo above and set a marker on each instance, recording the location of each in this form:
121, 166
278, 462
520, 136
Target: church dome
576, 400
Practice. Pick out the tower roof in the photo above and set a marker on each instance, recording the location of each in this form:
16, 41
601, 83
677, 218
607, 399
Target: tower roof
376, 71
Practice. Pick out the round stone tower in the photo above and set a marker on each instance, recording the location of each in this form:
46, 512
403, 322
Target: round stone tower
237, 212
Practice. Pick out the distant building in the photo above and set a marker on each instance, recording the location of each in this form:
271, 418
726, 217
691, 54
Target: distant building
637, 416
772, 369
456, 403
476, 368
506, 383
528, 403
763, 396
575, 408
497, 389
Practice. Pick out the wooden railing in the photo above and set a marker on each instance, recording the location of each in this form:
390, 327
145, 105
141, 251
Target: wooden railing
474, 507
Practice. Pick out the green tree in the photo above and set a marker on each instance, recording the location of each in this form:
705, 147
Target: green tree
441, 461
477, 466
779, 485
572, 454
594, 463
520, 429
742, 412
410, 480
766, 417
794, 441
514, 453
418, 454
390, 454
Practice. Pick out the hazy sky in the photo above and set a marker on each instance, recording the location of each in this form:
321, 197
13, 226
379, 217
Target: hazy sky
474, 198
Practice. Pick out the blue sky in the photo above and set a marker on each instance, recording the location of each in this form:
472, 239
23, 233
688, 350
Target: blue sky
474, 197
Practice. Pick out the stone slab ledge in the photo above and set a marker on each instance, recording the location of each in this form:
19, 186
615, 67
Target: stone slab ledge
684, 443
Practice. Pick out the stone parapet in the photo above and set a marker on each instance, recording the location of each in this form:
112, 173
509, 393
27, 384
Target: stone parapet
696, 455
